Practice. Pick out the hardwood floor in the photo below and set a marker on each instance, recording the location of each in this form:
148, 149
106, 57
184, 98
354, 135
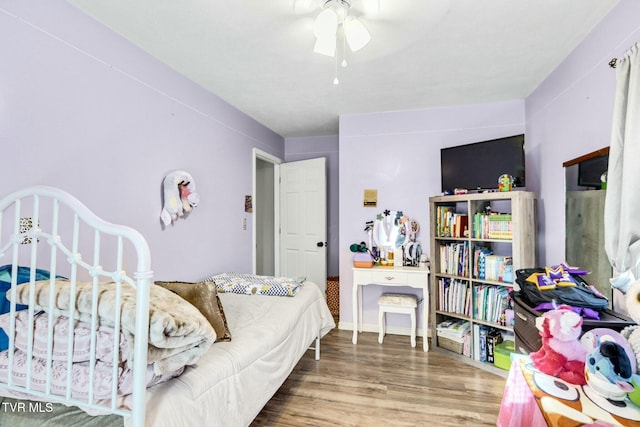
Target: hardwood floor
389, 384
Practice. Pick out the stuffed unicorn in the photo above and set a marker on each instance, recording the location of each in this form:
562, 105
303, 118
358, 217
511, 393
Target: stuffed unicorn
180, 196
561, 355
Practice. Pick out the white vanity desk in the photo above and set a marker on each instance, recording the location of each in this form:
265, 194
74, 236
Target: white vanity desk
414, 277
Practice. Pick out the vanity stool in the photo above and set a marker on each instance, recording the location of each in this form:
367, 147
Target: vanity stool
397, 303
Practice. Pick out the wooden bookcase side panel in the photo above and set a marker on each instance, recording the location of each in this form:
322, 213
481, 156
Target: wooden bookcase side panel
521, 247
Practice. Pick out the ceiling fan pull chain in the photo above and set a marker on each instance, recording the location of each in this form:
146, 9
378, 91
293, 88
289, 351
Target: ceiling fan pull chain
335, 80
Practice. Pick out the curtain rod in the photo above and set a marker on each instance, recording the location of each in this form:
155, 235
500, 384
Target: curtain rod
614, 61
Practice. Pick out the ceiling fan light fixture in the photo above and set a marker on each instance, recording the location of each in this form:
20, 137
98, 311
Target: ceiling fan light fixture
326, 24
356, 33
340, 7
325, 45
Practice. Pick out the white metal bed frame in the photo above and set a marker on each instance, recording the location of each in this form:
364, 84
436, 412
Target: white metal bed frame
28, 203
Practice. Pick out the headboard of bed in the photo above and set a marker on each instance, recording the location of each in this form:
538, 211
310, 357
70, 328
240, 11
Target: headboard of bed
44, 228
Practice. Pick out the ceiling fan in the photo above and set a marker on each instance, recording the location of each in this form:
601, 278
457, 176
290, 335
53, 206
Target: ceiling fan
335, 15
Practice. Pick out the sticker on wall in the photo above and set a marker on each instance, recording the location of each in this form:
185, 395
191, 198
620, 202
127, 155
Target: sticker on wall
248, 204
370, 198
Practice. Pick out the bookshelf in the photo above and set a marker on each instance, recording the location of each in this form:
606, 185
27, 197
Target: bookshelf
477, 242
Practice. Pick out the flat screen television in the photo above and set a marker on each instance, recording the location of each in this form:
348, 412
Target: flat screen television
478, 166
590, 171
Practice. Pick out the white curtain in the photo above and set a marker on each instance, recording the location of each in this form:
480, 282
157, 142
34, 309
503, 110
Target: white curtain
622, 202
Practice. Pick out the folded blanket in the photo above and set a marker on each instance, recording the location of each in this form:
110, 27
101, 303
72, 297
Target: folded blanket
178, 333
81, 348
102, 376
251, 284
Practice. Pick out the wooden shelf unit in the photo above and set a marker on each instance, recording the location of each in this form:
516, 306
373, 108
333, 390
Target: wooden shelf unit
521, 247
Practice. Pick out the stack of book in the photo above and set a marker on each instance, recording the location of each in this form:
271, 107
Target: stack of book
453, 334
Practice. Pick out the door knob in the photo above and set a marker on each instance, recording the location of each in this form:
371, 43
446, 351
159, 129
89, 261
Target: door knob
321, 244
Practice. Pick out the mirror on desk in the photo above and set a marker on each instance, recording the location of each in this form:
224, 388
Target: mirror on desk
584, 218
392, 237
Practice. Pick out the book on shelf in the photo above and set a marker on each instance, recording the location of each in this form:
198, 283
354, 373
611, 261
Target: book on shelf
480, 342
466, 345
460, 224
494, 337
492, 226
480, 261
454, 258
453, 296
444, 215
500, 226
476, 341
485, 340
498, 268
491, 303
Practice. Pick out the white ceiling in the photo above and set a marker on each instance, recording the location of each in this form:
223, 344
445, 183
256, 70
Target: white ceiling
258, 54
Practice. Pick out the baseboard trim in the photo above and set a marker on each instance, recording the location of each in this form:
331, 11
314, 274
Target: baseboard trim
370, 327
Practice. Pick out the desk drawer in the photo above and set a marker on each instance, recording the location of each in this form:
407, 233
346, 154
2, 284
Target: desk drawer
391, 277
418, 280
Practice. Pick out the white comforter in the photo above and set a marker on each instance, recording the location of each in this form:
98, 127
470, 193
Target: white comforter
231, 383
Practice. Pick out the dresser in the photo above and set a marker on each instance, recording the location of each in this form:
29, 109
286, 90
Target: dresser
528, 337
414, 277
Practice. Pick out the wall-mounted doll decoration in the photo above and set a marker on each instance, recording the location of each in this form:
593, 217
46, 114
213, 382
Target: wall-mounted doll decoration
180, 196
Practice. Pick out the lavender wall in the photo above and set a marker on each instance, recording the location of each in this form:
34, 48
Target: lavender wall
327, 147
398, 153
84, 110
570, 114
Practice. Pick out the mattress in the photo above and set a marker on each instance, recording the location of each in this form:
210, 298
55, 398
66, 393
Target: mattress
233, 381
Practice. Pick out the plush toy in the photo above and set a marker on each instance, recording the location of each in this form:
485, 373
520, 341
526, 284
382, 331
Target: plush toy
631, 290
608, 371
179, 196
561, 354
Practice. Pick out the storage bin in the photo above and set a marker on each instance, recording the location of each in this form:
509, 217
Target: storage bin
502, 354
528, 337
450, 344
362, 260
333, 294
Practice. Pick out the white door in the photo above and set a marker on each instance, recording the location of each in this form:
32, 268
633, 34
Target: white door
303, 220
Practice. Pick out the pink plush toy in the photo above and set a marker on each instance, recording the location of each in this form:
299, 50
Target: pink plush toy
561, 355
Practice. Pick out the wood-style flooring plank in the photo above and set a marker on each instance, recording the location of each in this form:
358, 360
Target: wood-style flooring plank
388, 384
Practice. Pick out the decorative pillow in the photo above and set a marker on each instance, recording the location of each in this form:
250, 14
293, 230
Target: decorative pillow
204, 296
251, 284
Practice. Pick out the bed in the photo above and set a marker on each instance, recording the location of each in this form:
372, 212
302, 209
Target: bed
163, 362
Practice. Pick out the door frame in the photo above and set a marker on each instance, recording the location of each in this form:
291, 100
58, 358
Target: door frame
258, 154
